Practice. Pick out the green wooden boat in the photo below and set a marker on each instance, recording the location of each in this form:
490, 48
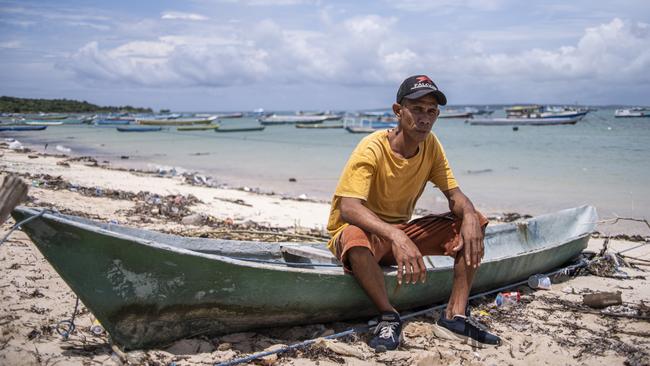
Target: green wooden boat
149, 289
197, 127
240, 129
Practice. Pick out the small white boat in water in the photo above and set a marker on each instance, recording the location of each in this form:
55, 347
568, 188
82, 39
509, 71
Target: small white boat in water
522, 121
279, 119
176, 121
368, 125
44, 123
450, 113
631, 112
537, 111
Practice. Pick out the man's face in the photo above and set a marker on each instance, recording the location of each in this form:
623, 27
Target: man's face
418, 116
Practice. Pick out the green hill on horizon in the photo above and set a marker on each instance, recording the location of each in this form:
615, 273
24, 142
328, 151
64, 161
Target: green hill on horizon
28, 105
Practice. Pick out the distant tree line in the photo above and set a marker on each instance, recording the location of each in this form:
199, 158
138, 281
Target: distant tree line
26, 105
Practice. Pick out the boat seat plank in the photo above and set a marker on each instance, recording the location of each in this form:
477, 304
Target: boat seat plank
304, 254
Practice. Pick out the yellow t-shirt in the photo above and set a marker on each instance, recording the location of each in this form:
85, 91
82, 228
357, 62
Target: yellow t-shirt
389, 185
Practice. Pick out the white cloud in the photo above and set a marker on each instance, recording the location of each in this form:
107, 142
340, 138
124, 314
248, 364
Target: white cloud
612, 52
11, 44
352, 52
176, 15
444, 6
269, 2
96, 26
365, 50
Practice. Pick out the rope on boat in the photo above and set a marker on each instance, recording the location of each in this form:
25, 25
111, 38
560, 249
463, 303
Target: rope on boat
17, 225
366, 328
65, 333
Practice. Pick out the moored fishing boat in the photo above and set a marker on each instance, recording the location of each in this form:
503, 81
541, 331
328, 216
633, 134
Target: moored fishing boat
522, 121
367, 125
176, 121
46, 116
149, 288
138, 128
43, 123
537, 111
319, 126
360, 129
230, 115
632, 112
21, 128
455, 114
112, 122
239, 129
197, 127
278, 119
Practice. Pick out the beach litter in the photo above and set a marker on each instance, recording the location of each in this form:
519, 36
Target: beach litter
63, 149
193, 219
86, 159
16, 145
171, 206
600, 300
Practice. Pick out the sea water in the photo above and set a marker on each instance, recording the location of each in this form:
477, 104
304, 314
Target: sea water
601, 160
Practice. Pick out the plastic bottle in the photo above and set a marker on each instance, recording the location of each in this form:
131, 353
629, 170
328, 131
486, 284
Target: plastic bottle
508, 298
96, 328
539, 282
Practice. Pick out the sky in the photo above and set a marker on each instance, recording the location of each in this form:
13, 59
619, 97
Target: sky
231, 55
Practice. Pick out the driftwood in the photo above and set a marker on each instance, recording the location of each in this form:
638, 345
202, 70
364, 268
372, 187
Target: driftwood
12, 192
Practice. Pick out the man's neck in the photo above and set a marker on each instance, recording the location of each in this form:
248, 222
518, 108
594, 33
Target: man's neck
401, 144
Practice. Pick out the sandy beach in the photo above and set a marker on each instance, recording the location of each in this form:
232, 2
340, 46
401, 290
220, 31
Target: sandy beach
549, 327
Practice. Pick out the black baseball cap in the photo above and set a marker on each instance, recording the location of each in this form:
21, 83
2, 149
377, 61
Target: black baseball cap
417, 86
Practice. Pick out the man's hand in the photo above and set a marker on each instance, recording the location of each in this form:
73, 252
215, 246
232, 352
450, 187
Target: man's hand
408, 258
471, 240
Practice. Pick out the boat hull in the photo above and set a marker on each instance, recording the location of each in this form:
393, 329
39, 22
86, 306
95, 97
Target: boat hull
139, 128
523, 121
240, 129
319, 126
147, 292
22, 128
112, 122
284, 120
197, 128
175, 122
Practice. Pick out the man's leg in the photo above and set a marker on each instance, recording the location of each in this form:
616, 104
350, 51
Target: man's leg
359, 251
436, 235
463, 277
370, 277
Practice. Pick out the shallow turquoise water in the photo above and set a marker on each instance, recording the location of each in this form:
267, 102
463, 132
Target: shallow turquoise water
600, 161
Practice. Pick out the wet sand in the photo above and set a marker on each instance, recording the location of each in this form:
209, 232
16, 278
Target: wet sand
547, 327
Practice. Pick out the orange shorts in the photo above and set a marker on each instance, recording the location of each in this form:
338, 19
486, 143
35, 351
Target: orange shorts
432, 234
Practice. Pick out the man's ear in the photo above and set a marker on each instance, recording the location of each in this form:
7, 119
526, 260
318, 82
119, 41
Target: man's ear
397, 109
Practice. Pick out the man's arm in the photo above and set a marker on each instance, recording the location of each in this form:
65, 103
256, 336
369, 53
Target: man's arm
471, 234
407, 255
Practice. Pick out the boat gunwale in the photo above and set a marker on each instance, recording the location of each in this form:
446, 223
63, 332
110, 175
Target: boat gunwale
388, 270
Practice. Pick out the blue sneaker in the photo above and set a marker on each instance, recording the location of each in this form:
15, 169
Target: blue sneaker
465, 329
388, 333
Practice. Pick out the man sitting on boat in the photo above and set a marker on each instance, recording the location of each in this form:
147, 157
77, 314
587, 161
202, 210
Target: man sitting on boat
374, 201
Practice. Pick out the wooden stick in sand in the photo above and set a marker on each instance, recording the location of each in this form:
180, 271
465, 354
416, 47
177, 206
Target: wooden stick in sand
12, 192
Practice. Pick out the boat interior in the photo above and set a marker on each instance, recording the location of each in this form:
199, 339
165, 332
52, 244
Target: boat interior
501, 240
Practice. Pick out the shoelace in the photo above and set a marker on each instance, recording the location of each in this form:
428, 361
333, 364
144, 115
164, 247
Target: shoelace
386, 329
